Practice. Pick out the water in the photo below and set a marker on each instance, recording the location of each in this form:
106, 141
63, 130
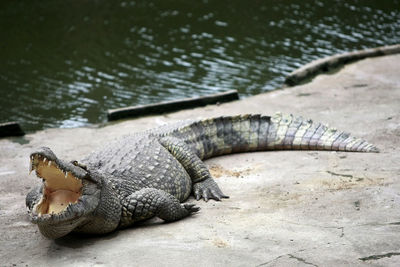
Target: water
64, 63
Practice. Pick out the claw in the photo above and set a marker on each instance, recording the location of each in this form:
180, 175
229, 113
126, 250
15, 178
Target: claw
195, 209
215, 195
197, 194
217, 198
191, 208
208, 189
206, 195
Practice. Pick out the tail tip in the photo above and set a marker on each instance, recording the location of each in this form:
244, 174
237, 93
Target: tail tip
373, 149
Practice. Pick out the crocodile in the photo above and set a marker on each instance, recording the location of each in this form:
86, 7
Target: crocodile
151, 173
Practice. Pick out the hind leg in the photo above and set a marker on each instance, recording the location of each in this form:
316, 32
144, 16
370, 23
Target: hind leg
204, 185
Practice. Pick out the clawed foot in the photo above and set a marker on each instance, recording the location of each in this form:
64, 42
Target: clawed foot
208, 189
191, 208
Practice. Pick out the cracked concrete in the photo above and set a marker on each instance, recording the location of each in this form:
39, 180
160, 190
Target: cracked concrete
287, 208
377, 257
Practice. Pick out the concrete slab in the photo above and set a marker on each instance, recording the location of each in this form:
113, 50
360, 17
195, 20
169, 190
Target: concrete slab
286, 208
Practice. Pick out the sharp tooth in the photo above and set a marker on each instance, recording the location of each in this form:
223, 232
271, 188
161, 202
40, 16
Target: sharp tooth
44, 160
49, 163
69, 207
66, 174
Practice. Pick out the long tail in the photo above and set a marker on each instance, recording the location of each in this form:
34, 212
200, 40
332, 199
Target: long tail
226, 135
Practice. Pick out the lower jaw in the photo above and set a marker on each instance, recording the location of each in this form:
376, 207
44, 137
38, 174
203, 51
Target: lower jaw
59, 229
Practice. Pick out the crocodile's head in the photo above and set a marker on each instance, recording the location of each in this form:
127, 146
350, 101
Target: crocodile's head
67, 195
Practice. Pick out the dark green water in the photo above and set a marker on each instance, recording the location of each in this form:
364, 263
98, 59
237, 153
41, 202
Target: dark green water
64, 63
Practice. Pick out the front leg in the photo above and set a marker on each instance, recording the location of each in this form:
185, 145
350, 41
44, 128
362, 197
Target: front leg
203, 184
149, 202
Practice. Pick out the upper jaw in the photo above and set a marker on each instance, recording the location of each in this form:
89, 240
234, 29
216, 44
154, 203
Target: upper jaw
45, 154
67, 190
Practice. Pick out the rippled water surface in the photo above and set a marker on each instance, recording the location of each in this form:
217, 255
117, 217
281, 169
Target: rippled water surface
64, 63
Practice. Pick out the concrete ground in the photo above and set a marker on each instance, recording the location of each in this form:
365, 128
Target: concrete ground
286, 208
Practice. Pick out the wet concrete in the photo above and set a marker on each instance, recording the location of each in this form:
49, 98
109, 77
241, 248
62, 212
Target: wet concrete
287, 208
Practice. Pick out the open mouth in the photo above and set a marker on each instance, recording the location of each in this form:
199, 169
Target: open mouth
61, 188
